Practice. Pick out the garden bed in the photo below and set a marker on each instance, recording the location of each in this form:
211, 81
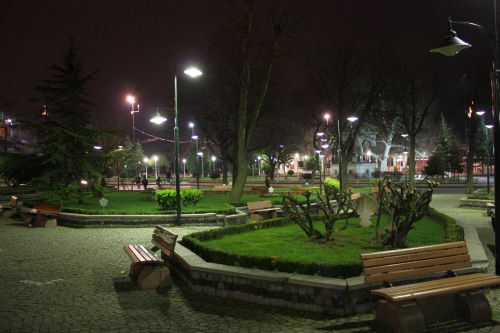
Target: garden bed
280, 245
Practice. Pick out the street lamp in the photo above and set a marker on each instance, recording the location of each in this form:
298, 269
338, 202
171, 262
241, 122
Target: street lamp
200, 155
213, 163
146, 160
191, 72
131, 100
195, 138
452, 45
155, 158
184, 162
259, 158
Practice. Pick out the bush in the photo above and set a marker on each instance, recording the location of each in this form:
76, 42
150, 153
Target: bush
307, 176
375, 181
377, 174
167, 198
191, 197
290, 172
215, 175
331, 183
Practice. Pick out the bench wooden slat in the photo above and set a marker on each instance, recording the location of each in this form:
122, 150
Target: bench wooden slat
416, 264
415, 272
166, 248
414, 257
408, 288
448, 285
255, 205
135, 255
150, 256
384, 254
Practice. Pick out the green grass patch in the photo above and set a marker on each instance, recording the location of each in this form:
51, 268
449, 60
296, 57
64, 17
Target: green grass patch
481, 196
281, 245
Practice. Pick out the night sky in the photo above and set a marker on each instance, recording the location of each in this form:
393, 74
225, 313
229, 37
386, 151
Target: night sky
134, 44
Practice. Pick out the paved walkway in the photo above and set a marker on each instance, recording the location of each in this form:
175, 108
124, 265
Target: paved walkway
75, 280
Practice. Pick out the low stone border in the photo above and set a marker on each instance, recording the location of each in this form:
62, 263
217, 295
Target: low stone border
304, 292
474, 203
84, 221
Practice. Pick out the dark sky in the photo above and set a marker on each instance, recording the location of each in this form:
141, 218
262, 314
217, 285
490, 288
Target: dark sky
135, 43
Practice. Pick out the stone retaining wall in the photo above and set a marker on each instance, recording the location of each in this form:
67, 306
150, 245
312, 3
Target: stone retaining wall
474, 203
83, 221
297, 291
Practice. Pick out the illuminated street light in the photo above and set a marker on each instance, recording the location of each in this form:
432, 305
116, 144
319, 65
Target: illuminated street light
96, 147
326, 117
146, 160
196, 159
192, 72
184, 162
155, 158
158, 119
452, 45
213, 158
352, 119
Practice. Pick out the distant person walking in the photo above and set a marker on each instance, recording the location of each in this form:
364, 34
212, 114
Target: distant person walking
138, 182
158, 182
145, 183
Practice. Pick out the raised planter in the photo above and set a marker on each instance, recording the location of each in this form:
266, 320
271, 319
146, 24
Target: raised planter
474, 203
288, 290
84, 221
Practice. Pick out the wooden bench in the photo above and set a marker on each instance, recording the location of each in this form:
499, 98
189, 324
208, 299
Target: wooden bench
410, 307
261, 210
258, 189
221, 189
9, 210
45, 214
147, 269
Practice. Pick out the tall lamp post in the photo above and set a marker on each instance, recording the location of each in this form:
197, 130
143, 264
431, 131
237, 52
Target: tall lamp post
195, 138
146, 160
184, 162
131, 101
213, 158
452, 45
155, 158
488, 158
191, 72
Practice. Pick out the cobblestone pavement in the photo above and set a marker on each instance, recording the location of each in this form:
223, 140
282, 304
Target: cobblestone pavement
75, 280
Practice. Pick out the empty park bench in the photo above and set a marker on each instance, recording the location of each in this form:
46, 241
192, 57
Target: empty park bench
260, 210
45, 214
222, 189
410, 307
259, 189
147, 269
8, 210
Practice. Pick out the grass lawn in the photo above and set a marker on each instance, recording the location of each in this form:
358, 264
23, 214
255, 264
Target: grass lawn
290, 243
138, 202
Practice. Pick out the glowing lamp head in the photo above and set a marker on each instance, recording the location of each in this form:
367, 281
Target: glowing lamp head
158, 119
155, 158
489, 126
184, 160
97, 147
480, 112
130, 99
369, 153
193, 72
326, 116
191, 125
352, 119
145, 159
214, 158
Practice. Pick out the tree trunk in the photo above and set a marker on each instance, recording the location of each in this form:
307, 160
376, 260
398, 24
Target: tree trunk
224, 170
410, 162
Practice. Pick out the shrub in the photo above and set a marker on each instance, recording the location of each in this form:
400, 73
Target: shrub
191, 197
331, 183
215, 175
377, 174
167, 198
290, 172
307, 176
375, 181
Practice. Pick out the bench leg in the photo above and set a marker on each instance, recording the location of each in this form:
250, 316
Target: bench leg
151, 277
43, 221
404, 317
473, 306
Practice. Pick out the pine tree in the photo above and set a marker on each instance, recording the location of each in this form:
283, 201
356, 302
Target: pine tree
66, 134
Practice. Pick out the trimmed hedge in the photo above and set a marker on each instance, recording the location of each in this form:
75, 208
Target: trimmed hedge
194, 243
452, 231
